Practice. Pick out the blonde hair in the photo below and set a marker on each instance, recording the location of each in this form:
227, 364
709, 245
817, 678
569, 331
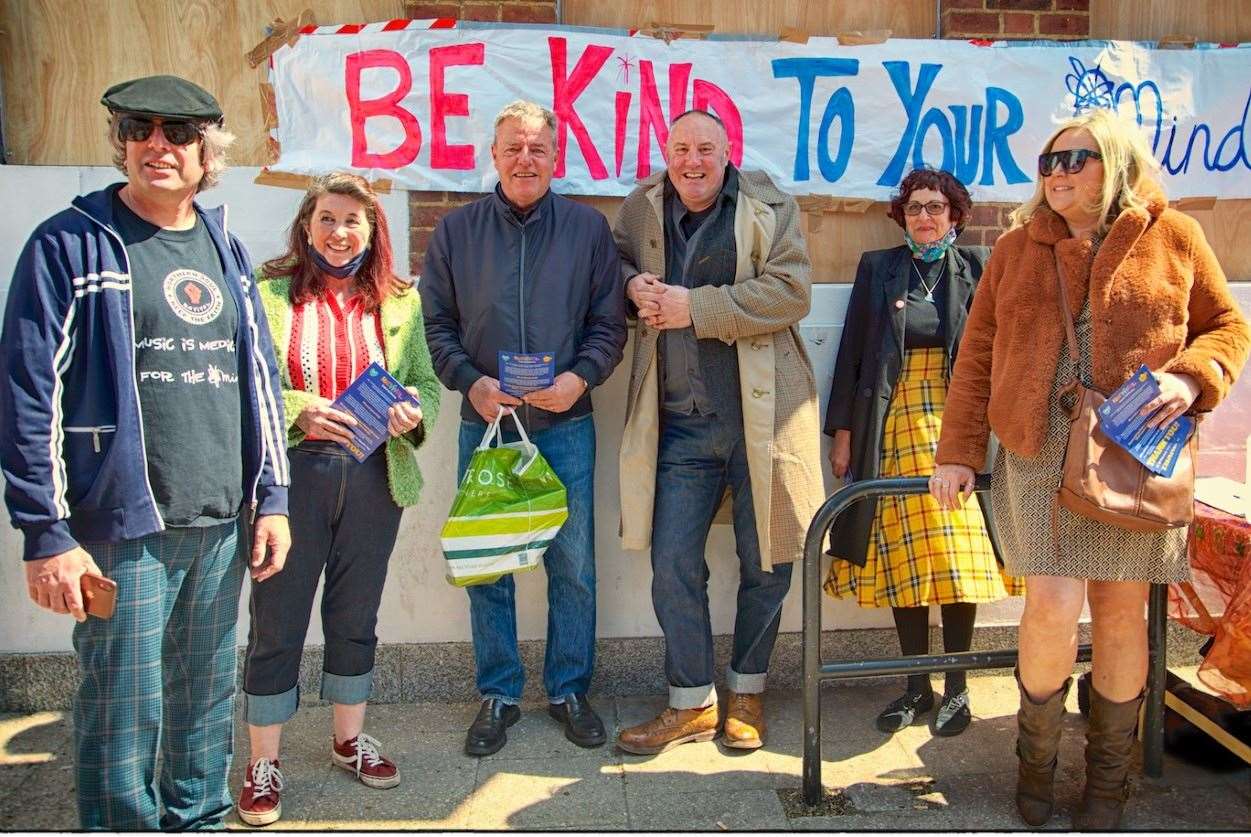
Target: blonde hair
526, 112
1128, 165
214, 142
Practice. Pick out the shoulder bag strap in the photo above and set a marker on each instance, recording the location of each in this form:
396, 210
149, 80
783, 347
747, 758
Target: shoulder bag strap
1067, 316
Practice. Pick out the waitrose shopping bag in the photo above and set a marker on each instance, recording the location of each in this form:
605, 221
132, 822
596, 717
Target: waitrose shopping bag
508, 508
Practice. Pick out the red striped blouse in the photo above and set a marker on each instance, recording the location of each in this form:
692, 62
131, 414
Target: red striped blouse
330, 346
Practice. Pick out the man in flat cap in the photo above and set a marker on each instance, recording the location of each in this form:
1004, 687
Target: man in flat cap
141, 437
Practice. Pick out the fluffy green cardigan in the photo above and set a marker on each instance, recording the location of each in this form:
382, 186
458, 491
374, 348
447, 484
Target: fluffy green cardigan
408, 359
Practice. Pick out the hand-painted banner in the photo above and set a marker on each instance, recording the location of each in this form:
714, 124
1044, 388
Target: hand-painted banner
415, 101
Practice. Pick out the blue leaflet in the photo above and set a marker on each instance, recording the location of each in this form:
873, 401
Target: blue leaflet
368, 399
1157, 448
520, 373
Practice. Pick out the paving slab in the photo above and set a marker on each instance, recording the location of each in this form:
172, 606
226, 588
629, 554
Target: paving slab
702, 766
533, 794
746, 810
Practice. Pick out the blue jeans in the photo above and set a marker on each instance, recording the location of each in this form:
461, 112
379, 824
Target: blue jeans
699, 456
158, 679
569, 447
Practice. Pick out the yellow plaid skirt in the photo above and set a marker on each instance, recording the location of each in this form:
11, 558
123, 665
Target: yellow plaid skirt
919, 554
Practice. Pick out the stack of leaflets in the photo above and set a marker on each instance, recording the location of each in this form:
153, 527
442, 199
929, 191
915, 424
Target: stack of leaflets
1155, 447
368, 399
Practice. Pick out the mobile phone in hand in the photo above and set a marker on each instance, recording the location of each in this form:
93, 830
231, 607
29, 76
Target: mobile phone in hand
99, 595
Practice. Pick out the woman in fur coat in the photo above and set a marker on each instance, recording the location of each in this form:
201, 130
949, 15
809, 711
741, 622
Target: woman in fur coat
1144, 288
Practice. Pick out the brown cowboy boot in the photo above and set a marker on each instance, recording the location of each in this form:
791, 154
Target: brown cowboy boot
1109, 750
669, 729
1037, 744
744, 722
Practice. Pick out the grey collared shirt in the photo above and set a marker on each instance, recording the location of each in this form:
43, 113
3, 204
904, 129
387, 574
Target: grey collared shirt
681, 383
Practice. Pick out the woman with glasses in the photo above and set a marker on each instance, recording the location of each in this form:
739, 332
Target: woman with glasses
900, 336
1144, 288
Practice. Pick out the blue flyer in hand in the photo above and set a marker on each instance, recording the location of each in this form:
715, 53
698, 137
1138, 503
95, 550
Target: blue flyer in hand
368, 399
520, 373
1155, 447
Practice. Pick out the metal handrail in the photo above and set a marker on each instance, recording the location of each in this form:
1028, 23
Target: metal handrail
815, 670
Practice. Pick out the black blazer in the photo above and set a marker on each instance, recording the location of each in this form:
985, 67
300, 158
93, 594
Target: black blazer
870, 357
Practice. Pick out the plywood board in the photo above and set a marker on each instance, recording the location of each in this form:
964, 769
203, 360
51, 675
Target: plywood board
1220, 21
904, 18
58, 56
1227, 226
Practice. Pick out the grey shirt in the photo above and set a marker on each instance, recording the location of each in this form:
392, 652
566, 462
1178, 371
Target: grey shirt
682, 387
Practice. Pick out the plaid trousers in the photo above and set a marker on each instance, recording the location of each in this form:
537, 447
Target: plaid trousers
160, 674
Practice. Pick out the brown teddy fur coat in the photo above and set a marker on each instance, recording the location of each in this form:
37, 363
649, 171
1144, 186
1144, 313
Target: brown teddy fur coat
1157, 296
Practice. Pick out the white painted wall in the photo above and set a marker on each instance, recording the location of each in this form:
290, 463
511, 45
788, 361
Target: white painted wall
418, 605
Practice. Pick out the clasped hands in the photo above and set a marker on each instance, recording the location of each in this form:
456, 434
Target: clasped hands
488, 399
660, 306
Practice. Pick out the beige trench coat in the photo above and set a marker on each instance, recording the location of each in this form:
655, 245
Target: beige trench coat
759, 314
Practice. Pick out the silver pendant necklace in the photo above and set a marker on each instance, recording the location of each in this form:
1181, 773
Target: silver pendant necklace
929, 289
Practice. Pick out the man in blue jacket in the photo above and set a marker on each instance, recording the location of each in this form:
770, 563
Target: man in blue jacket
140, 431
525, 270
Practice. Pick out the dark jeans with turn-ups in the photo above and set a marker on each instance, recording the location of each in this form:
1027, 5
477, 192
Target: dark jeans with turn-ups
343, 522
699, 457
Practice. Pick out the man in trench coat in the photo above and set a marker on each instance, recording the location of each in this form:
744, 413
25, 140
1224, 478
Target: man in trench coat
721, 396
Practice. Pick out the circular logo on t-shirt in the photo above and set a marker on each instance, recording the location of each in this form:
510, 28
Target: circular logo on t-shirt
193, 296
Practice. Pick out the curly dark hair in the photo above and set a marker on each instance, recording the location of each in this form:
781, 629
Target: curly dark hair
953, 190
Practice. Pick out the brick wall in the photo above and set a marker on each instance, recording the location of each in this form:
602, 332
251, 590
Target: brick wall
509, 11
1010, 19
1003, 20
426, 208
961, 19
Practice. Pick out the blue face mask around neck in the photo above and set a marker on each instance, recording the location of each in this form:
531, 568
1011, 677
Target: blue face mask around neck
934, 250
339, 272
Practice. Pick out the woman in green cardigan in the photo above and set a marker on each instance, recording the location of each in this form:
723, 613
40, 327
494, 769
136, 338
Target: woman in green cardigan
334, 306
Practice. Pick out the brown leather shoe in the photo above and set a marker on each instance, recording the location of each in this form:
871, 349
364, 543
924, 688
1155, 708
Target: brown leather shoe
744, 721
669, 729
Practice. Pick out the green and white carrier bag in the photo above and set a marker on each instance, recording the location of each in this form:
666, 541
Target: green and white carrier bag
509, 507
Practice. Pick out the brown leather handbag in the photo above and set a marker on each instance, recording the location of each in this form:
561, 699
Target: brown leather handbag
1100, 480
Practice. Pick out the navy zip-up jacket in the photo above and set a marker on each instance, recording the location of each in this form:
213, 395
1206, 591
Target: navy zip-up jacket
71, 432
550, 283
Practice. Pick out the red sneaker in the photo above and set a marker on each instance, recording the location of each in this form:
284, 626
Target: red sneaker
361, 755
259, 802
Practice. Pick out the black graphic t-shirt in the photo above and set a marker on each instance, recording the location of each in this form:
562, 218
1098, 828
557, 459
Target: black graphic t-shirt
187, 367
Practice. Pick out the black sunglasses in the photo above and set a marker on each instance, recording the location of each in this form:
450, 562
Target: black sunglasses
138, 129
1071, 161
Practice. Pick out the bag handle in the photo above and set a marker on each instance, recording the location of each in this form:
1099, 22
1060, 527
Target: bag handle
493, 433
1066, 314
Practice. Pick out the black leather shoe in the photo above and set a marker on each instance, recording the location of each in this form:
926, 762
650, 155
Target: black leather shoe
582, 726
486, 734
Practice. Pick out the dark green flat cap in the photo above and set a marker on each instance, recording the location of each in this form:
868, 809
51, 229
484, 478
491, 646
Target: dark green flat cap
169, 96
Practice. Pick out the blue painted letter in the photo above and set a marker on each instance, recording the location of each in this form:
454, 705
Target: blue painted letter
806, 71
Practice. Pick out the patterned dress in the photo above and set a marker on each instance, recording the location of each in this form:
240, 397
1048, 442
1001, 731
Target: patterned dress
919, 554
1024, 497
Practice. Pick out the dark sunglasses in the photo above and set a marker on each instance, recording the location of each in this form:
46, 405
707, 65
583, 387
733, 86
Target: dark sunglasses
1071, 161
138, 129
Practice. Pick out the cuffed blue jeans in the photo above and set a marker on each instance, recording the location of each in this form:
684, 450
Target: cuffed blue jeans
343, 522
569, 447
699, 457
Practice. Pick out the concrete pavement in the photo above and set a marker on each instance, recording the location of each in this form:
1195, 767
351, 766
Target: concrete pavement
912, 781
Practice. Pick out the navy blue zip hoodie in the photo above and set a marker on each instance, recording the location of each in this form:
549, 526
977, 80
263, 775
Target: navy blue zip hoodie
71, 432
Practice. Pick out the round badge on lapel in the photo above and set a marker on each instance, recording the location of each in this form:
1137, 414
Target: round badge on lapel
899, 303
